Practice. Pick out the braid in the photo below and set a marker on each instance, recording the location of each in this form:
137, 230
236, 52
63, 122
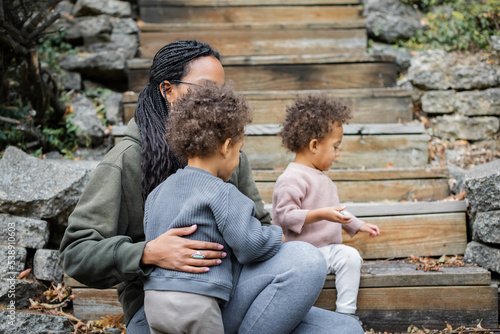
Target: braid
170, 63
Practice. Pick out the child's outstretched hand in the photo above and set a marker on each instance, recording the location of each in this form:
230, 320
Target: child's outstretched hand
373, 230
338, 215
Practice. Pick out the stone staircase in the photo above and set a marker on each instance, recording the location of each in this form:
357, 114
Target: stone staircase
273, 50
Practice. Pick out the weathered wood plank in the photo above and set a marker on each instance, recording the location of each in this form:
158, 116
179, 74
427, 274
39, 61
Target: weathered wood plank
91, 304
405, 208
394, 309
195, 3
266, 152
366, 174
268, 26
369, 106
379, 190
403, 236
349, 129
378, 274
263, 42
293, 73
247, 14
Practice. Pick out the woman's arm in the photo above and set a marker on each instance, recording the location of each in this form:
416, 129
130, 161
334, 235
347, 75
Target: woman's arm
242, 178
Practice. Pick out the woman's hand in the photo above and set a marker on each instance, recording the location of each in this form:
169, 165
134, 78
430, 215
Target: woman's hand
171, 251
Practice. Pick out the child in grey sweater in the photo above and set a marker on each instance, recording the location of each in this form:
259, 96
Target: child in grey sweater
206, 128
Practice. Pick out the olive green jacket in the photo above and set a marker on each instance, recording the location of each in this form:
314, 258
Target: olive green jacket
104, 241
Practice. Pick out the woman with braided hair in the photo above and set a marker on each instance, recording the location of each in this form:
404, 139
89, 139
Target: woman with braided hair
104, 243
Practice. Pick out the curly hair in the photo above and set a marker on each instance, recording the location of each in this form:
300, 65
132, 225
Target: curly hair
311, 117
204, 118
171, 62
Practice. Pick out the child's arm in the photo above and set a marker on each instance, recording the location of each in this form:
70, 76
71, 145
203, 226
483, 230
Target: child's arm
373, 230
331, 213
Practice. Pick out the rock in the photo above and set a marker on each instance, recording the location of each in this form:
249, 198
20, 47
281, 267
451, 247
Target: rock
113, 330
402, 55
29, 233
428, 70
477, 103
486, 227
468, 128
91, 130
108, 65
40, 189
97, 7
457, 178
23, 290
390, 20
70, 80
126, 26
33, 323
495, 42
483, 187
438, 102
129, 44
485, 256
473, 77
64, 7
47, 265
114, 113
13, 259
90, 26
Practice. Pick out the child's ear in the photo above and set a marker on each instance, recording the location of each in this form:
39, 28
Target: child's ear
225, 147
313, 145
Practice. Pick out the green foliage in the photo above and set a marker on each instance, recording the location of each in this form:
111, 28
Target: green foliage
456, 25
51, 47
99, 96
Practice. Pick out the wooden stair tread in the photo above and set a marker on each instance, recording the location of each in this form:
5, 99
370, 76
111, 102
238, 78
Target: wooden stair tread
145, 63
381, 209
349, 129
246, 27
194, 3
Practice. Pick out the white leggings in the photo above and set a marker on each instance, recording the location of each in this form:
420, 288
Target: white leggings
345, 262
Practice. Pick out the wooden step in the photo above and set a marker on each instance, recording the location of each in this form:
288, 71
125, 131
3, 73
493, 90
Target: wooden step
259, 39
412, 228
388, 184
293, 72
155, 11
357, 150
369, 106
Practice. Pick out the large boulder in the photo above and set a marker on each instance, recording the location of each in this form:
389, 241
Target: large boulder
390, 20
478, 102
483, 187
41, 189
19, 291
12, 259
473, 77
90, 129
486, 227
97, 7
483, 255
114, 112
28, 232
89, 26
401, 55
467, 128
33, 323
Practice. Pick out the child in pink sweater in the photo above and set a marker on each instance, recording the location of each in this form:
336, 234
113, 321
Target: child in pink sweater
305, 201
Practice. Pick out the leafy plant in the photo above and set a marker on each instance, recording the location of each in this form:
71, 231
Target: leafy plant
456, 24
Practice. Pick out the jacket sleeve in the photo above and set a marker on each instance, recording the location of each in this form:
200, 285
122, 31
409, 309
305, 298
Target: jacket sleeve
249, 240
95, 248
242, 178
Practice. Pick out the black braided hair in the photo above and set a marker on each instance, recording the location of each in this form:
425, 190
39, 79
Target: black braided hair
170, 63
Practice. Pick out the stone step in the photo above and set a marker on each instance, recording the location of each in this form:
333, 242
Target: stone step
387, 184
212, 11
372, 105
293, 72
259, 39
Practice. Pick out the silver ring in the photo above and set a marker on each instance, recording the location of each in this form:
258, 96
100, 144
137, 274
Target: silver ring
198, 255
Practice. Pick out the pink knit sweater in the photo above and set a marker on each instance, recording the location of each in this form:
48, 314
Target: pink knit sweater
300, 189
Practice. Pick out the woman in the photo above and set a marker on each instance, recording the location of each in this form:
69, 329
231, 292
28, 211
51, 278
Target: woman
104, 242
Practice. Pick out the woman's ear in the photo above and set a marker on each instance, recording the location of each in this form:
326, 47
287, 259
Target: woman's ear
166, 89
313, 145
225, 147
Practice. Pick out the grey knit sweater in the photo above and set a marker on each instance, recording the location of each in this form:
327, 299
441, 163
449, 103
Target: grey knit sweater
223, 215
